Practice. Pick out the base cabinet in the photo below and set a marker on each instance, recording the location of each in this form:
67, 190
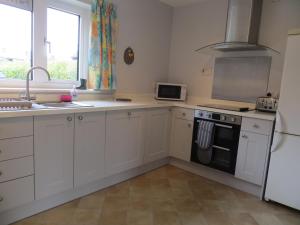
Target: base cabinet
157, 134
53, 154
124, 141
252, 156
181, 136
89, 147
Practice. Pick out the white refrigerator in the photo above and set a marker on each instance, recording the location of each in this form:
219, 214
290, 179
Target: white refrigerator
283, 181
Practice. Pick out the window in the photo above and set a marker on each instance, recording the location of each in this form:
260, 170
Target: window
15, 42
63, 44
56, 38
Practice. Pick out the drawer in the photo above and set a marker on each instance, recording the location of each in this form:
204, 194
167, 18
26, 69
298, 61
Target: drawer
257, 126
187, 114
16, 193
16, 127
16, 148
16, 168
125, 114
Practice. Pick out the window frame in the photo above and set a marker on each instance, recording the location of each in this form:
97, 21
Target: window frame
39, 46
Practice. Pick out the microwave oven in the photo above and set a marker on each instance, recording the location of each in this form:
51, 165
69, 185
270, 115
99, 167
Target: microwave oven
171, 92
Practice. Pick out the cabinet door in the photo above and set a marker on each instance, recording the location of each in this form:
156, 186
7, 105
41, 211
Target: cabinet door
157, 136
252, 156
89, 147
53, 153
181, 138
124, 141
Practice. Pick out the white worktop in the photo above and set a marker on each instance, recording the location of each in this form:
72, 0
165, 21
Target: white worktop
113, 105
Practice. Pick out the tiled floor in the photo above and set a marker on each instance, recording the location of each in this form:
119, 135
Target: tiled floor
167, 196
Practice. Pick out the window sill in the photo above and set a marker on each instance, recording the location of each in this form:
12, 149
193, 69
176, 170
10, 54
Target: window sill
51, 91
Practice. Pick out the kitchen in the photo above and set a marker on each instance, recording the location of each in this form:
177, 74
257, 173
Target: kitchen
205, 159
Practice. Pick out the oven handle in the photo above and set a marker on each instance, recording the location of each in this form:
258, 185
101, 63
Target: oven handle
224, 126
221, 148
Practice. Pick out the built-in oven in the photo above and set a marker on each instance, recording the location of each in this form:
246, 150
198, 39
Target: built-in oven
215, 140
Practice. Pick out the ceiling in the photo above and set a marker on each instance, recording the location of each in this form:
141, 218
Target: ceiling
178, 3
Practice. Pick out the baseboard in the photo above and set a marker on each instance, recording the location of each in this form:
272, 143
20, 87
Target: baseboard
218, 176
38, 206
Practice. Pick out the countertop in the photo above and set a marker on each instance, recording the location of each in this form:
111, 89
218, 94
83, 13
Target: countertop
113, 106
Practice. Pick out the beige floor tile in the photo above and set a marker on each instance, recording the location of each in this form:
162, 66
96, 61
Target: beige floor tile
113, 218
86, 217
94, 202
242, 219
217, 219
140, 217
186, 205
191, 218
163, 205
266, 219
289, 219
115, 204
166, 218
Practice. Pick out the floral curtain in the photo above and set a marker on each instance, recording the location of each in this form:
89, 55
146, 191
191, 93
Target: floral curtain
102, 52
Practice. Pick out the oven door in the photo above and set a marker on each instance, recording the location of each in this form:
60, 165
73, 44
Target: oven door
224, 146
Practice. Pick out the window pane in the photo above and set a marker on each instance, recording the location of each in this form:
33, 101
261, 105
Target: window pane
15, 42
63, 44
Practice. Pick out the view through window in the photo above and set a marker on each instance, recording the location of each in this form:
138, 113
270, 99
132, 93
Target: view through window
15, 42
63, 44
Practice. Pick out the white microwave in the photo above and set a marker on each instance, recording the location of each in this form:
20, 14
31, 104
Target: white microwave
171, 92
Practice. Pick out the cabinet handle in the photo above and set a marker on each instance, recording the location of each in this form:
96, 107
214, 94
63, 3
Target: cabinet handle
183, 114
256, 126
189, 125
69, 118
245, 136
0, 151
1, 173
80, 117
129, 113
1, 199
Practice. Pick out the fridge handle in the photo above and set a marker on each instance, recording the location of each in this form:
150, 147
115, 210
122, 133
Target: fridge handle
275, 146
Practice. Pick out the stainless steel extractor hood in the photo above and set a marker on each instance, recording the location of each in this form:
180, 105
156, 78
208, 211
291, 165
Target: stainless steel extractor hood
242, 28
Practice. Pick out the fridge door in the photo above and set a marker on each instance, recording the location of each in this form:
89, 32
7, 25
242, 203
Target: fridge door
288, 116
283, 183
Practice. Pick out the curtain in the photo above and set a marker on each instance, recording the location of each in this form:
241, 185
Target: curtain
102, 52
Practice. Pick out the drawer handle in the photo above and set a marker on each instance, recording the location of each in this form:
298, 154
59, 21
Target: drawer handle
189, 125
80, 117
256, 126
1, 173
183, 114
69, 118
129, 113
0, 151
1, 199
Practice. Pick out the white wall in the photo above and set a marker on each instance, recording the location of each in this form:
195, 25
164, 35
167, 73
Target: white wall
144, 25
204, 23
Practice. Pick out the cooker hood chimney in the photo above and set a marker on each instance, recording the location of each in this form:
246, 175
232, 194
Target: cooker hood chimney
242, 28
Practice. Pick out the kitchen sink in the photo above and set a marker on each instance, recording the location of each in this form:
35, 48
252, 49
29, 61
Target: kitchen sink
64, 105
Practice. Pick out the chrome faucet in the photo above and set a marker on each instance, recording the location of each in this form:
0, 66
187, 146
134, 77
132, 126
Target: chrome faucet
27, 79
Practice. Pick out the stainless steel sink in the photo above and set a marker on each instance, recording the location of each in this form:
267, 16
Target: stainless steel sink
64, 105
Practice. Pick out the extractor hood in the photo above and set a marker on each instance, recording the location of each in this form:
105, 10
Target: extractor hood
242, 28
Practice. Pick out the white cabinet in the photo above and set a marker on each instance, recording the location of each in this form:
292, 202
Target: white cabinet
53, 153
89, 148
181, 134
157, 134
124, 140
253, 150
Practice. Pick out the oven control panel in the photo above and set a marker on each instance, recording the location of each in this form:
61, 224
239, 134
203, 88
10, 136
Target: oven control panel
226, 118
